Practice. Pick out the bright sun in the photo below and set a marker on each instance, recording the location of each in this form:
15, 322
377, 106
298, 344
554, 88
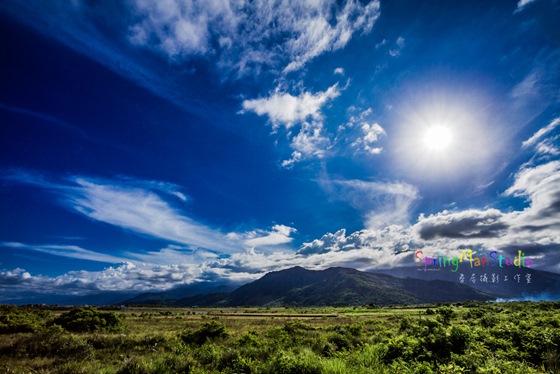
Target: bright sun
437, 138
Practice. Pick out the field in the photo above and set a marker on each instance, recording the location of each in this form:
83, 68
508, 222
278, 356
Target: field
459, 338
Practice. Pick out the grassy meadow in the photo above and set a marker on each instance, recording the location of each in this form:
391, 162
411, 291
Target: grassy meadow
460, 338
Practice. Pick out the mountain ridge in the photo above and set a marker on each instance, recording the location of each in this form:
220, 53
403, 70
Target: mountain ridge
337, 286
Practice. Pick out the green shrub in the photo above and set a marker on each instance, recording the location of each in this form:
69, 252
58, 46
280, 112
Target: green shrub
445, 315
249, 339
208, 331
88, 319
15, 319
302, 364
52, 343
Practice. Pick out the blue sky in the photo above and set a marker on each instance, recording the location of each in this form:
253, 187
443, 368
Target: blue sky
149, 144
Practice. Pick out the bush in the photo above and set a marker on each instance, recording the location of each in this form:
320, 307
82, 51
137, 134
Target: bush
17, 319
445, 315
88, 319
52, 343
209, 331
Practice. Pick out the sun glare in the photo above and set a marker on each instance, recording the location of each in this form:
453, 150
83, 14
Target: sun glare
437, 138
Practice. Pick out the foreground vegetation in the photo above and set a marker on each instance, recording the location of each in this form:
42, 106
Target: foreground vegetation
459, 338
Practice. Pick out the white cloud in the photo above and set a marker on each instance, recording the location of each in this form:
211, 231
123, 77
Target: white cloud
399, 45
141, 211
240, 33
381, 203
280, 234
381, 44
522, 4
465, 224
529, 87
310, 140
371, 134
285, 109
540, 185
305, 110
339, 71
136, 205
295, 158
361, 132
535, 230
70, 251
533, 140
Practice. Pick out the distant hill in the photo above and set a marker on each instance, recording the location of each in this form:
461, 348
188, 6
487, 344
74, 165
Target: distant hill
101, 298
541, 282
168, 297
336, 287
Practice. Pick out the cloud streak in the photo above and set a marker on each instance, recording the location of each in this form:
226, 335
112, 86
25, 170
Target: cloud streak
381, 203
142, 207
70, 251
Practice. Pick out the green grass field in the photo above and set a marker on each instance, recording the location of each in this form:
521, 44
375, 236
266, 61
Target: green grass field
460, 338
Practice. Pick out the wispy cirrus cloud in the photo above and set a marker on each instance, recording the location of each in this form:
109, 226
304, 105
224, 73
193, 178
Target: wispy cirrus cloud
542, 141
146, 207
239, 34
236, 35
142, 207
521, 4
70, 251
381, 203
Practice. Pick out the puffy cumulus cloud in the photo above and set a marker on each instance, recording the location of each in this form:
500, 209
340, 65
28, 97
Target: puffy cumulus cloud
540, 185
361, 133
339, 71
371, 133
14, 276
390, 241
239, 33
310, 141
285, 110
462, 225
534, 229
125, 276
365, 249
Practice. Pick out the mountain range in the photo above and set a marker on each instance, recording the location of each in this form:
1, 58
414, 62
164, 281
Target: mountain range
338, 286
